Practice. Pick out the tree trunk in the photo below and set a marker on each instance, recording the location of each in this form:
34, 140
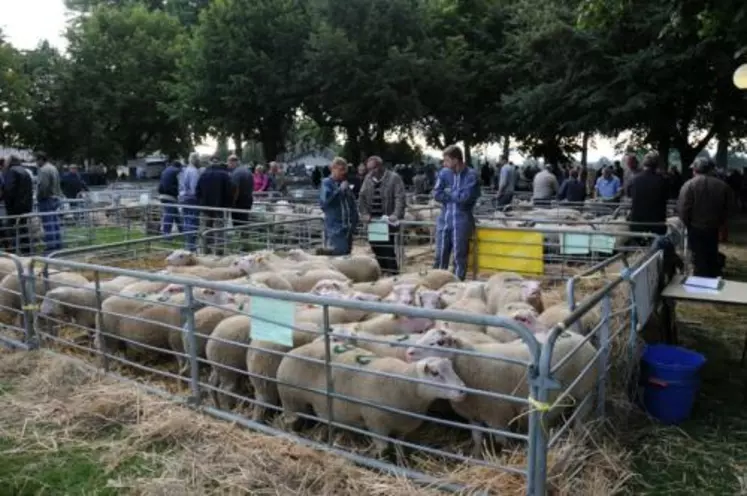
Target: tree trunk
585, 150
467, 153
353, 144
662, 148
722, 152
272, 137
506, 147
238, 148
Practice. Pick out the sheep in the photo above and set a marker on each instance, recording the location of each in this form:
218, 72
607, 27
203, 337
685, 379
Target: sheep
315, 314
435, 279
516, 310
472, 301
181, 258
115, 320
307, 281
453, 291
10, 291
262, 365
79, 304
272, 280
8, 266
374, 389
396, 345
264, 262
358, 268
400, 324
380, 288
226, 350
331, 286
558, 313
526, 291
496, 375
497, 281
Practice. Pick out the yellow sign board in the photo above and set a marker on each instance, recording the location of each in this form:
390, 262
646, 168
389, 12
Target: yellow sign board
501, 250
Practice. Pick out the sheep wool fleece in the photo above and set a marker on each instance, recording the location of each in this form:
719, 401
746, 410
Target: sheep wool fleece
457, 193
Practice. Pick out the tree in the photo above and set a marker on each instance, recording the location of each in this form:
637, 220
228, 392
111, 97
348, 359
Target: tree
13, 99
363, 69
187, 11
241, 75
123, 61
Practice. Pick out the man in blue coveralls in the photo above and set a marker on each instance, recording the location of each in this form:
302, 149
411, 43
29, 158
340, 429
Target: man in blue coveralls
457, 190
337, 201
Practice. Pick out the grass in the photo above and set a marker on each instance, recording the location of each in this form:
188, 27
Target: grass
100, 235
705, 455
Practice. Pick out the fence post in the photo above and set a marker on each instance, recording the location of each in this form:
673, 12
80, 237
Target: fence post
193, 362
328, 374
604, 345
28, 286
99, 316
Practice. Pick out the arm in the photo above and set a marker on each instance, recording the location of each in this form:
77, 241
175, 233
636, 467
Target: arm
502, 183
364, 198
554, 184
329, 194
563, 190
399, 198
618, 189
439, 193
685, 205
468, 192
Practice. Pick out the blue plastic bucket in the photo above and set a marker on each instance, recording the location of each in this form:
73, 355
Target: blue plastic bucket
671, 382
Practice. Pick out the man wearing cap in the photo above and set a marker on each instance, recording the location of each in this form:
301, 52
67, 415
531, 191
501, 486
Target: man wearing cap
704, 205
18, 195
48, 196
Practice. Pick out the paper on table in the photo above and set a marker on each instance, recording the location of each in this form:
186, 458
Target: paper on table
378, 230
699, 290
273, 320
703, 282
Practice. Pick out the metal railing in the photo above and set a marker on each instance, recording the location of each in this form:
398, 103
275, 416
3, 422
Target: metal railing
251, 337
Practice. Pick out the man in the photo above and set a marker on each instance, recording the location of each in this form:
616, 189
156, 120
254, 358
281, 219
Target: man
72, 186
356, 178
421, 186
704, 205
631, 170
214, 192
168, 194
242, 183
188, 199
337, 201
544, 187
608, 187
383, 194
573, 189
48, 196
277, 180
18, 194
457, 190
506, 184
649, 192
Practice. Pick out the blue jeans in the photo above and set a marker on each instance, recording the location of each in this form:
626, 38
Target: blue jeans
191, 226
49, 208
171, 216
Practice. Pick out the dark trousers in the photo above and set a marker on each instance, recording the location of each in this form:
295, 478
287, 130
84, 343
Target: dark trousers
705, 256
503, 200
214, 220
239, 220
386, 255
17, 234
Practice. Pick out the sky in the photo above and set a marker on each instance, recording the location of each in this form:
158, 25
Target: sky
25, 23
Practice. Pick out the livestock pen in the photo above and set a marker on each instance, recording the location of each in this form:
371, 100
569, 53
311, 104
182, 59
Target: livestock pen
620, 290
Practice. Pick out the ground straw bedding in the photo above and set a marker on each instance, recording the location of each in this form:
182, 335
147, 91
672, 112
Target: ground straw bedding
66, 431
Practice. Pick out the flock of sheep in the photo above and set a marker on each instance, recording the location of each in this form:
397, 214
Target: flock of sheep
375, 356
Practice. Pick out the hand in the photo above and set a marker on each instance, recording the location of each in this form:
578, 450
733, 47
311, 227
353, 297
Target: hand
366, 219
393, 219
344, 185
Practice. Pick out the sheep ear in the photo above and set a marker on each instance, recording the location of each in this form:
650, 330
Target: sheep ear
426, 368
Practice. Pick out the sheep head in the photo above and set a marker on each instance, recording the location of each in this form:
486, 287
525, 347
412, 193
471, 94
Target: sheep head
403, 294
249, 264
532, 294
330, 287
438, 342
181, 258
427, 298
439, 372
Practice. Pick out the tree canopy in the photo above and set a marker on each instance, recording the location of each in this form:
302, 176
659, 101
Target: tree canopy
283, 76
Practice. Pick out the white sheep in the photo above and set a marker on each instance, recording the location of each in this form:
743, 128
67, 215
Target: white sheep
226, 351
314, 314
181, 258
331, 287
386, 391
79, 304
498, 376
380, 288
472, 301
526, 291
517, 310
10, 291
558, 313
307, 281
358, 268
